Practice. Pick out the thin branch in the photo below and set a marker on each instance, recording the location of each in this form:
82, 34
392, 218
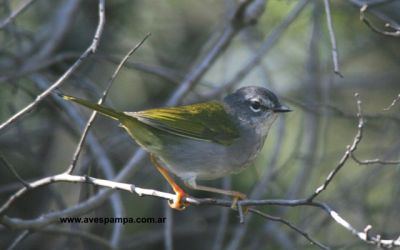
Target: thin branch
373, 161
362, 235
90, 50
91, 180
44, 220
23, 6
18, 240
395, 33
392, 22
349, 149
290, 225
332, 38
13, 171
101, 100
393, 103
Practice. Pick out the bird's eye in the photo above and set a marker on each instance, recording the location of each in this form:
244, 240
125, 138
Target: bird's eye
255, 105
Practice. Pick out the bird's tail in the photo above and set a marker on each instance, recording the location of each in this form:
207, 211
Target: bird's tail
94, 106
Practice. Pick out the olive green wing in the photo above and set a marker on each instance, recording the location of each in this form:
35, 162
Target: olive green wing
204, 121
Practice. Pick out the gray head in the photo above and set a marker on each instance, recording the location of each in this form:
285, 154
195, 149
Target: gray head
254, 107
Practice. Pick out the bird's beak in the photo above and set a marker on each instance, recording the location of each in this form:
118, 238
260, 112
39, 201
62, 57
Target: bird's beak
282, 109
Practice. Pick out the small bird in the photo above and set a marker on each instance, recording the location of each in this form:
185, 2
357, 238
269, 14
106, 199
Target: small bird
202, 141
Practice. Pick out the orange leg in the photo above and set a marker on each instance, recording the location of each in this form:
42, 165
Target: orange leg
235, 194
177, 204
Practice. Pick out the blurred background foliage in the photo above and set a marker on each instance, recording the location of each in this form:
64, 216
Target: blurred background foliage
306, 144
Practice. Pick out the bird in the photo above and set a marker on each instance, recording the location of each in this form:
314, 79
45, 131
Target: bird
201, 141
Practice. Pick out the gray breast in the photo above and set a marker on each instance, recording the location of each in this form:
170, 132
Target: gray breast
190, 158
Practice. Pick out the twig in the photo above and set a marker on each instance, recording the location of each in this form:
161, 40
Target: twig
23, 6
19, 239
13, 171
290, 225
332, 38
395, 33
90, 50
393, 103
349, 149
373, 161
101, 100
392, 22
362, 235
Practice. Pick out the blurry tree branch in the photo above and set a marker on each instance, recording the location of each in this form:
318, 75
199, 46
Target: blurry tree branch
393, 103
18, 239
349, 150
373, 161
246, 13
395, 33
332, 38
268, 42
391, 23
23, 6
90, 50
13, 171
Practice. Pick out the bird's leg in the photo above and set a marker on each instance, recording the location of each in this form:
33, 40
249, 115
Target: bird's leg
191, 183
177, 204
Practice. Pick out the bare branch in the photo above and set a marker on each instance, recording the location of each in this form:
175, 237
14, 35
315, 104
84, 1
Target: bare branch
332, 38
269, 41
349, 149
290, 225
395, 33
91, 49
23, 6
392, 22
19, 239
373, 161
13, 171
101, 100
393, 103
44, 220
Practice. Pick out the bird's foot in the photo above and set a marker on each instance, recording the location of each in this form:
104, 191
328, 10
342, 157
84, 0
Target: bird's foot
236, 197
178, 203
